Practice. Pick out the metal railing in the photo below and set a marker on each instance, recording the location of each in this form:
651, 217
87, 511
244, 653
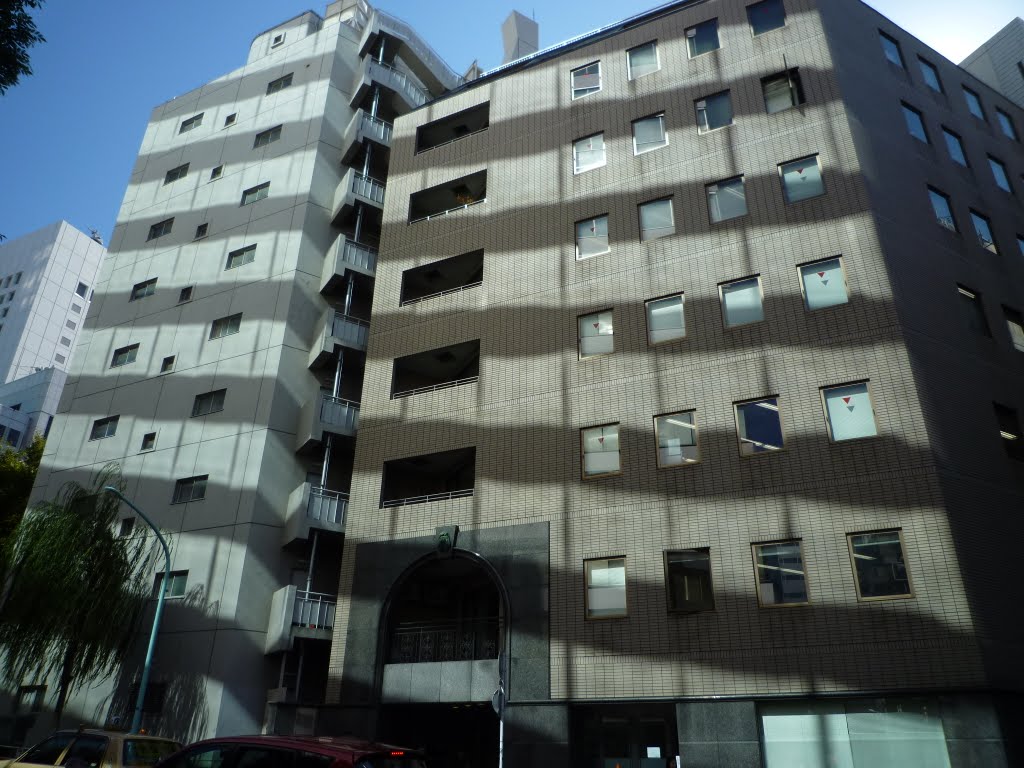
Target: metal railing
349, 330
359, 255
428, 497
314, 610
422, 49
465, 287
338, 412
326, 506
435, 387
367, 187
379, 129
452, 141
416, 95
446, 212
416, 642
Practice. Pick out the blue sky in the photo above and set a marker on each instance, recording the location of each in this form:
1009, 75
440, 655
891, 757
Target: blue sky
71, 131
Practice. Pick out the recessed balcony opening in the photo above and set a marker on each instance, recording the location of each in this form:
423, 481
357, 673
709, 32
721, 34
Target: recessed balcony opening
350, 376
347, 216
440, 277
362, 295
430, 477
380, 161
448, 197
448, 366
453, 127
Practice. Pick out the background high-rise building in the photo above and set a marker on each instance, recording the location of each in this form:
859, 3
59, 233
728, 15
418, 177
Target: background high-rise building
999, 61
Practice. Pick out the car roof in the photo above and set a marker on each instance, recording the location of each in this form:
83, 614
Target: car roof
116, 734
325, 745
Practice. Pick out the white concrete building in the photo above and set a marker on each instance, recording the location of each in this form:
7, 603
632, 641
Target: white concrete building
999, 61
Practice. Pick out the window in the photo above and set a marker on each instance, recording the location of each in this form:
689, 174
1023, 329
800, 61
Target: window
779, 569
268, 136
1006, 124
278, 40
216, 172
225, 326
713, 112
48, 751
942, 208
973, 104
280, 84
954, 146
1009, 430
176, 173
588, 153
642, 60
666, 320
974, 311
999, 174
70, 324
82, 290
176, 583
801, 179
983, 229
688, 580
649, 133
209, 402
193, 122
727, 199
702, 38
167, 364
930, 75
241, 256
606, 588
102, 428
878, 565
124, 355
30, 700
17, 278
185, 294
253, 194
915, 124
160, 229
742, 302
891, 49
127, 526
65, 341
676, 437
58, 357
766, 16
600, 447
201, 231
782, 91
596, 334
230, 119
1020, 244
848, 411
190, 489
656, 219
1015, 324
824, 284
592, 237
585, 80
759, 426
148, 442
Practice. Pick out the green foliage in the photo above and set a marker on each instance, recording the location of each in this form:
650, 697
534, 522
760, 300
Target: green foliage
18, 33
74, 590
17, 474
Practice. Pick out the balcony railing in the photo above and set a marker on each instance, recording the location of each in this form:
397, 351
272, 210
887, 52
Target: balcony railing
398, 28
439, 214
367, 187
465, 287
435, 387
428, 497
359, 255
387, 75
327, 506
377, 129
350, 331
416, 643
314, 610
339, 413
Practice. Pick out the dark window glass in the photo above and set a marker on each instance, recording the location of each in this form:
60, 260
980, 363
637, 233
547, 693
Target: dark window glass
702, 38
137, 753
974, 103
781, 577
766, 16
955, 147
782, 91
714, 111
759, 426
878, 563
47, 752
892, 49
915, 124
930, 75
86, 751
688, 573
974, 311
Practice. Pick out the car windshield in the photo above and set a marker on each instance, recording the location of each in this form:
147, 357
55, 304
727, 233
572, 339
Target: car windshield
145, 752
48, 751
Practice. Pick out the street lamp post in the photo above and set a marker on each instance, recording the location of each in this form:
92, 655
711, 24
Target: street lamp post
137, 717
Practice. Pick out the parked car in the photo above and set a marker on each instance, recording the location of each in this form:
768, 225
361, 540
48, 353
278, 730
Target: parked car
293, 752
93, 748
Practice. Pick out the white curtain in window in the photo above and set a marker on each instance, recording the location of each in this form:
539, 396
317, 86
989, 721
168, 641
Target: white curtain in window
778, 94
601, 450
597, 334
656, 219
643, 60
727, 200
666, 319
592, 237
801, 179
606, 588
824, 284
589, 153
849, 412
677, 439
586, 80
649, 134
741, 302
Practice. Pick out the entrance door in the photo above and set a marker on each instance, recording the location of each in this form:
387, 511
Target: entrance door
451, 735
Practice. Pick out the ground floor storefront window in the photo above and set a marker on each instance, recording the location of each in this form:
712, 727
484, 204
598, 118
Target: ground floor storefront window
624, 736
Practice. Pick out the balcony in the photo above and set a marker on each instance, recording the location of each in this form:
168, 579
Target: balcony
338, 330
312, 507
295, 613
361, 128
325, 413
421, 58
408, 95
439, 278
449, 197
431, 477
450, 366
357, 188
348, 256
454, 127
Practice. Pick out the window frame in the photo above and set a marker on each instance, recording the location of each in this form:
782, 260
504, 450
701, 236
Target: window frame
579, 337
1012, 442
267, 137
104, 425
178, 172
576, 233
936, 192
803, 288
647, 319
699, 111
180, 483
985, 331
828, 421
191, 123
906, 566
657, 59
589, 91
926, 66
225, 325
202, 231
821, 175
696, 440
1013, 317
949, 133
686, 33
664, 131
668, 589
146, 448
131, 352
241, 256
976, 216
902, 63
920, 119
160, 228
795, 85
803, 562
255, 193
640, 221
739, 439
197, 412
750, 21
712, 189
721, 301
586, 587
583, 464
577, 170
1005, 121
993, 162
158, 580
279, 84
968, 94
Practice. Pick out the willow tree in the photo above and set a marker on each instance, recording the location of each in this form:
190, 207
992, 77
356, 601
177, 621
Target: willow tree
73, 589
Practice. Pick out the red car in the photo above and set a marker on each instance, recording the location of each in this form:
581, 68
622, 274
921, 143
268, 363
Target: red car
292, 752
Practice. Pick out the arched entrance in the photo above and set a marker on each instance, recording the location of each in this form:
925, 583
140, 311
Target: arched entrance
444, 628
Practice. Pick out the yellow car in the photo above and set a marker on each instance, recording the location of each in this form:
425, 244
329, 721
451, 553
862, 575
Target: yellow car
89, 748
